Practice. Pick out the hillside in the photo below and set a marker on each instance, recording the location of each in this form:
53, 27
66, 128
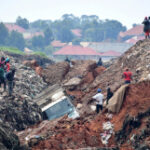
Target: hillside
130, 126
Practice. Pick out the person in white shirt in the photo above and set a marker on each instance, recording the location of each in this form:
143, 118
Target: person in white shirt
99, 100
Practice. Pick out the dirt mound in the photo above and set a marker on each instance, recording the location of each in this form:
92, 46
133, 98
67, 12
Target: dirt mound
136, 59
132, 120
55, 73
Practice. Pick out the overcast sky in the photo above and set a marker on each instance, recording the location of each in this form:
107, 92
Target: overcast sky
125, 11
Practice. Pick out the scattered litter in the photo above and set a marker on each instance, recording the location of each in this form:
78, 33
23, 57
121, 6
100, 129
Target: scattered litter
93, 107
109, 116
108, 131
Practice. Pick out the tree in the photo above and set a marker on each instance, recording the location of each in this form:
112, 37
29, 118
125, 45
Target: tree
3, 34
76, 41
38, 41
48, 36
22, 22
65, 35
16, 39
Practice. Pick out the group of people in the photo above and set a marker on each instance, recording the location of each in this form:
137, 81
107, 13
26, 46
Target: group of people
127, 75
6, 75
146, 23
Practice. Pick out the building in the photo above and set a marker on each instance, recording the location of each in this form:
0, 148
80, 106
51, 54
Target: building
135, 31
57, 44
77, 32
13, 27
102, 47
77, 52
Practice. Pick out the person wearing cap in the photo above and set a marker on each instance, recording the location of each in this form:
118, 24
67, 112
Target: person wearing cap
127, 75
99, 100
146, 27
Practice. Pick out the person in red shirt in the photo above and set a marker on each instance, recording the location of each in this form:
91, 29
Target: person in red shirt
7, 64
127, 76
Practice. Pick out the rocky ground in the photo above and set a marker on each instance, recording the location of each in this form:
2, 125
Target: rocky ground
129, 129
17, 112
130, 126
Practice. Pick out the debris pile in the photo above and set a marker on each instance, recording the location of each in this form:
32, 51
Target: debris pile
129, 128
19, 111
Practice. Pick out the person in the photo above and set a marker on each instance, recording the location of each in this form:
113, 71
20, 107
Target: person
99, 63
67, 60
109, 95
7, 64
2, 78
146, 27
2, 62
127, 75
99, 100
10, 78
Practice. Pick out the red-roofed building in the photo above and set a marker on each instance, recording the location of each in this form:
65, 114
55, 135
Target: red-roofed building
76, 32
14, 27
110, 54
57, 44
135, 31
135, 39
77, 52
30, 35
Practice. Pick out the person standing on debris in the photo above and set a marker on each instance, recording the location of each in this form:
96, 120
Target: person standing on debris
127, 75
146, 27
10, 78
67, 60
99, 63
2, 78
109, 95
99, 100
7, 64
2, 62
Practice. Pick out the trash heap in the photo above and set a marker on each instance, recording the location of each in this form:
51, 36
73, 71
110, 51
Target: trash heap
19, 111
127, 130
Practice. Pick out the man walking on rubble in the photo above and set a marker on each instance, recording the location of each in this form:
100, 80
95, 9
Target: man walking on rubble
109, 95
127, 75
10, 78
146, 27
99, 100
2, 78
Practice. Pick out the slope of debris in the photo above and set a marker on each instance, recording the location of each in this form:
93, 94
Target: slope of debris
136, 59
19, 111
130, 126
8, 140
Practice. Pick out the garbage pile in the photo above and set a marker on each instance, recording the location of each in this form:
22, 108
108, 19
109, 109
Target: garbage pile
128, 129
8, 140
19, 111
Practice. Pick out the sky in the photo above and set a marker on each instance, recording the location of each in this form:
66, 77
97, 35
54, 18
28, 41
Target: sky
125, 11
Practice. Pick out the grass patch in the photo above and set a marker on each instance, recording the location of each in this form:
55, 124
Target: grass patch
40, 54
11, 50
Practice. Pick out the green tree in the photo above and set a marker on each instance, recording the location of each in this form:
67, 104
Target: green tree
3, 34
65, 35
38, 41
23, 22
48, 36
16, 40
76, 41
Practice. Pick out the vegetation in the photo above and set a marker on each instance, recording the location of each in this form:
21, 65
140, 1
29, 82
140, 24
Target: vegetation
22, 22
40, 54
11, 50
92, 29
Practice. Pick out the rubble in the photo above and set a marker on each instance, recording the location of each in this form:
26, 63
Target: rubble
132, 119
